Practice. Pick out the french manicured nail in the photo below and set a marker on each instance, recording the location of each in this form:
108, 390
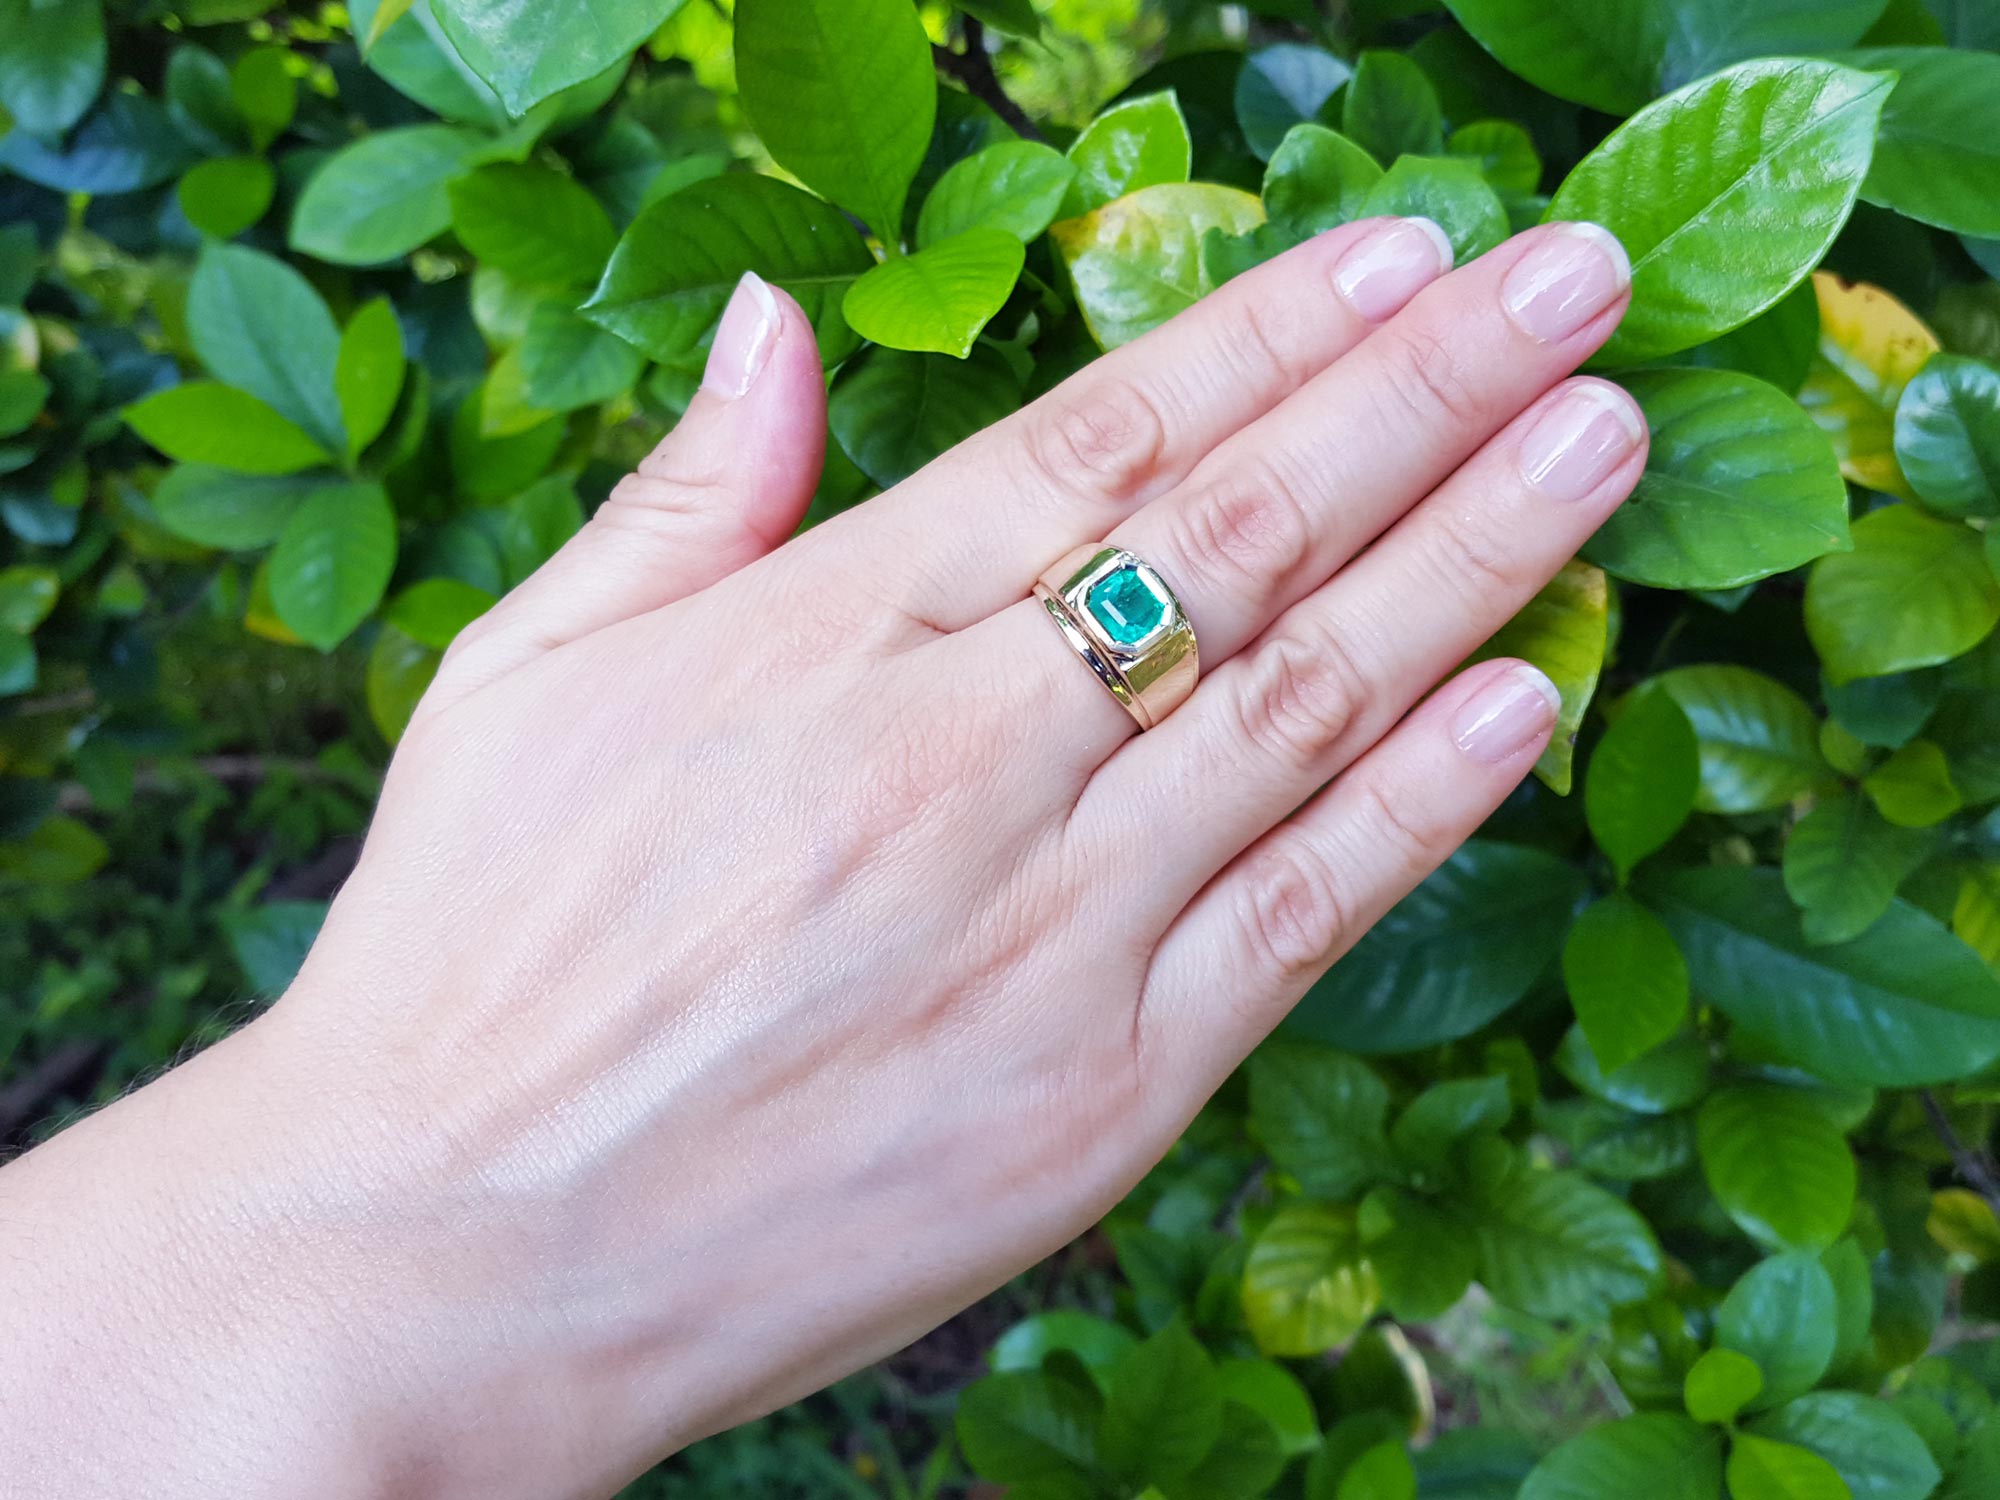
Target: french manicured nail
1514, 711
1390, 266
1571, 276
1584, 434
743, 339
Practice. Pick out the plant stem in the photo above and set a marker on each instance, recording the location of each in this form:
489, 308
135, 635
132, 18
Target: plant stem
974, 68
1975, 1168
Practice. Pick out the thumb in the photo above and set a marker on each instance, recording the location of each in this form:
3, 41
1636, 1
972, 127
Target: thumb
726, 486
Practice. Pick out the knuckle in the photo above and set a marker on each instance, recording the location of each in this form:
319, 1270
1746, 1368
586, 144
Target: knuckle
1299, 699
1295, 911
1249, 533
1268, 345
1384, 824
1429, 378
1111, 435
1468, 547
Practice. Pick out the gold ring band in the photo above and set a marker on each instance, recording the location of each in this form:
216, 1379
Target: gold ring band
1120, 616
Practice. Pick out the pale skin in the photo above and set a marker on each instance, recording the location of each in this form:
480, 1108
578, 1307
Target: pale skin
764, 948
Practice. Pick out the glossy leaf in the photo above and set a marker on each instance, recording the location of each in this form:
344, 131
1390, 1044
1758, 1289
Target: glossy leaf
1782, 147
532, 223
1642, 779
1162, 1409
1504, 153
1448, 191
433, 612
1739, 485
673, 272
939, 298
221, 508
1099, 1344
1669, 1077
1721, 1383
1564, 630
259, 325
1781, 1168
411, 53
1870, 346
1913, 787
1760, 1469
893, 412
1307, 1285
1938, 158
1757, 739
400, 672
567, 362
1555, 1245
1390, 109
1136, 262
1914, 591
1661, 1455
1948, 436
1024, 1428
1461, 949
1136, 143
1274, 1393
1317, 178
1903, 1004
1282, 85
332, 562
1778, 346
1975, 916
384, 195
368, 373
1626, 979
843, 96
1843, 864
51, 62
1424, 1259
206, 423
1015, 186
529, 50
1447, 1112
1320, 1114
1875, 1451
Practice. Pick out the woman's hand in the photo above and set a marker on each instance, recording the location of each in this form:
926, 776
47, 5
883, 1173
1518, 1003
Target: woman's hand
762, 950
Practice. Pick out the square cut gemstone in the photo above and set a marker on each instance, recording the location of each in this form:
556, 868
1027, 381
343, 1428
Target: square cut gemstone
1127, 606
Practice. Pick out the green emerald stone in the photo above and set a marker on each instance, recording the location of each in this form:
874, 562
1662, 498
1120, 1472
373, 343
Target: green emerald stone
1127, 605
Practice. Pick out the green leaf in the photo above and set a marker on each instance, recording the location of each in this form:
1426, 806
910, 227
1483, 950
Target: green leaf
893, 412
1782, 146
1391, 109
1462, 948
1446, 1113
1782, 1312
1913, 788
270, 942
259, 325
1449, 192
1871, 347
529, 50
1015, 186
673, 272
1564, 630
51, 62
1914, 591
1317, 178
1383, 1472
1660, 1455
205, 423
332, 562
265, 92
1424, 1260
20, 670
569, 363
389, 12
1938, 158
1760, 1469
412, 54
1307, 1285
385, 195
1097, 1343
1319, 1113
220, 508
433, 612
1740, 484
1555, 1245
1136, 262
1280, 86
225, 195
535, 224
1028, 1428
1875, 1451
1475, 1463
57, 851
1162, 1409
1777, 346
368, 373
1626, 979
1275, 1394
1843, 864
1948, 436
1504, 153
1720, 1384
1243, 1465
1758, 741
126, 144
1670, 1077
1135, 143
1975, 916
1642, 779
939, 298
27, 595
842, 95
1903, 1004
400, 672
23, 394
1885, 712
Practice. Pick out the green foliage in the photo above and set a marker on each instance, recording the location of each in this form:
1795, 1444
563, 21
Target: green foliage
321, 331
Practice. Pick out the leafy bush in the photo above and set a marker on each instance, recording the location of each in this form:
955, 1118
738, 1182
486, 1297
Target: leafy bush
320, 329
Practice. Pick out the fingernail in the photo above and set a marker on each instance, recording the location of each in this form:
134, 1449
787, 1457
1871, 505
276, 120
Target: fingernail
1390, 266
1588, 431
1571, 276
1511, 714
743, 339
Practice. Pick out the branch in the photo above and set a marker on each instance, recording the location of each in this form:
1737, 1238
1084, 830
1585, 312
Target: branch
974, 68
1975, 1168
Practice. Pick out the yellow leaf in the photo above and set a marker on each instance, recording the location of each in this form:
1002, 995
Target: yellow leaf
260, 616
1869, 347
1963, 1223
1976, 917
387, 14
1564, 631
1136, 261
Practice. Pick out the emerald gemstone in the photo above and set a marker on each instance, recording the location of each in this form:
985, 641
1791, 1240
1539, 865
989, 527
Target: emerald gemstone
1128, 605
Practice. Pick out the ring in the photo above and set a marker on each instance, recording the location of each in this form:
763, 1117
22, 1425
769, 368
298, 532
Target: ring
1118, 614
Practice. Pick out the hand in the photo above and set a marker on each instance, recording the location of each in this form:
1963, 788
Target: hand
762, 951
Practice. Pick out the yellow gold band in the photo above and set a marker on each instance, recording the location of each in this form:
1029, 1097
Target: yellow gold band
1120, 616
